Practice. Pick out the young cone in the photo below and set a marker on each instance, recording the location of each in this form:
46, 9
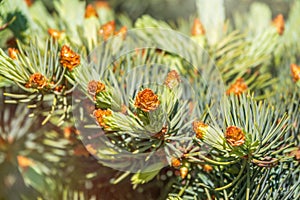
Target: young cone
147, 100
69, 58
234, 136
37, 80
95, 87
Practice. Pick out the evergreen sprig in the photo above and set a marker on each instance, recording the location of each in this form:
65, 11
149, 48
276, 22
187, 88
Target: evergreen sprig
212, 116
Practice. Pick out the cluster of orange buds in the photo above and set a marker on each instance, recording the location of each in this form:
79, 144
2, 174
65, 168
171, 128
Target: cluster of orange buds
198, 28
100, 115
278, 22
238, 87
109, 29
234, 136
295, 72
55, 34
69, 58
200, 129
147, 100
95, 87
90, 11
173, 79
37, 80
12, 53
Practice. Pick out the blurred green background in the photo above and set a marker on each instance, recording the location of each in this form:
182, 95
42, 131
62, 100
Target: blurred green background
171, 10
174, 9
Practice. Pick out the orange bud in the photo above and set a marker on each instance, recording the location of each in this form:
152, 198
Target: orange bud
183, 172
107, 29
24, 162
70, 131
90, 11
12, 53
175, 162
278, 22
295, 72
198, 28
200, 129
207, 168
55, 34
